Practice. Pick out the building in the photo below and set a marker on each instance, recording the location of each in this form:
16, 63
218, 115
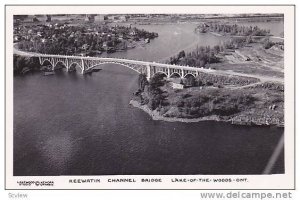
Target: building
89, 18
99, 18
48, 18
110, 17
123, 18
177, 86
35, 19
176, 83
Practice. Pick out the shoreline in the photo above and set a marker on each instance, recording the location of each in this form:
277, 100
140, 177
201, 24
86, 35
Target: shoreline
156, 116
241, 36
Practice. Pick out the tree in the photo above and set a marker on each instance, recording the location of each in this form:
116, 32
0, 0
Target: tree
181, 54
249, 40
216, 49
156, 81
157, 96
268, 44
190, 81
142, 81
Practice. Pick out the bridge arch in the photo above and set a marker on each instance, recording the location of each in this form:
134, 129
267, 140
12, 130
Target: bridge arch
175, 75
161, 72
62, 62
42, 62
74, 64
117, 63
189, 75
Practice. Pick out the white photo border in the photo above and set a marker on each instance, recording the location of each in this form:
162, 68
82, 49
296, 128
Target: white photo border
261, 182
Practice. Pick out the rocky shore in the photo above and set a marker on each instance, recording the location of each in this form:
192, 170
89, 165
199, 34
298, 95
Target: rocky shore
237, 120
156, 116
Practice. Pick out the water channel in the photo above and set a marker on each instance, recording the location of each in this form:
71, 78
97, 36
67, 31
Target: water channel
69, 124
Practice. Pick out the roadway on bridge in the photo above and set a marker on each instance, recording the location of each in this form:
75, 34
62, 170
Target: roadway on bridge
262, 78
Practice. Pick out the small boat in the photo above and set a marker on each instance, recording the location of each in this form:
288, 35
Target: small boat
96, 70
25, 70
48, 73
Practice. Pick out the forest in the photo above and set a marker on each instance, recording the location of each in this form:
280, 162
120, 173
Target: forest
87, 39
199, 57
232, 29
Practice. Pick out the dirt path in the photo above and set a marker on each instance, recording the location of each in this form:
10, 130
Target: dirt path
260, 77
245, 86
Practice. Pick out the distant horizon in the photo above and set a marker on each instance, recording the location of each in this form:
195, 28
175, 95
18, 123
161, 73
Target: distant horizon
163, 14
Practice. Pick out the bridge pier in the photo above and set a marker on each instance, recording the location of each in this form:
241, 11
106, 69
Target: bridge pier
67, 64
82, 67
148, 72
40, 60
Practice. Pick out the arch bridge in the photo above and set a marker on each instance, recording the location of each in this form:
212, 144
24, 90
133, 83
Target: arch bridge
86, 64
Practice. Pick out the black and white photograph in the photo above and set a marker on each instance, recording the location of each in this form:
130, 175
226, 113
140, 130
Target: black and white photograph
126, 93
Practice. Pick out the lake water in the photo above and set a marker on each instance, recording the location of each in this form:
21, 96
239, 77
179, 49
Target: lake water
172, 39
69, 124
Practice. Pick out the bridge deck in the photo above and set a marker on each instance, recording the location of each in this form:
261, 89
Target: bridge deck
147, 63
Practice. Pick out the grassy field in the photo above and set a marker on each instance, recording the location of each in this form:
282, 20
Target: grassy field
254, 59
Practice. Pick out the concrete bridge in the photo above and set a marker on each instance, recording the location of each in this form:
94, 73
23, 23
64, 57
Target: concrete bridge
86, 64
